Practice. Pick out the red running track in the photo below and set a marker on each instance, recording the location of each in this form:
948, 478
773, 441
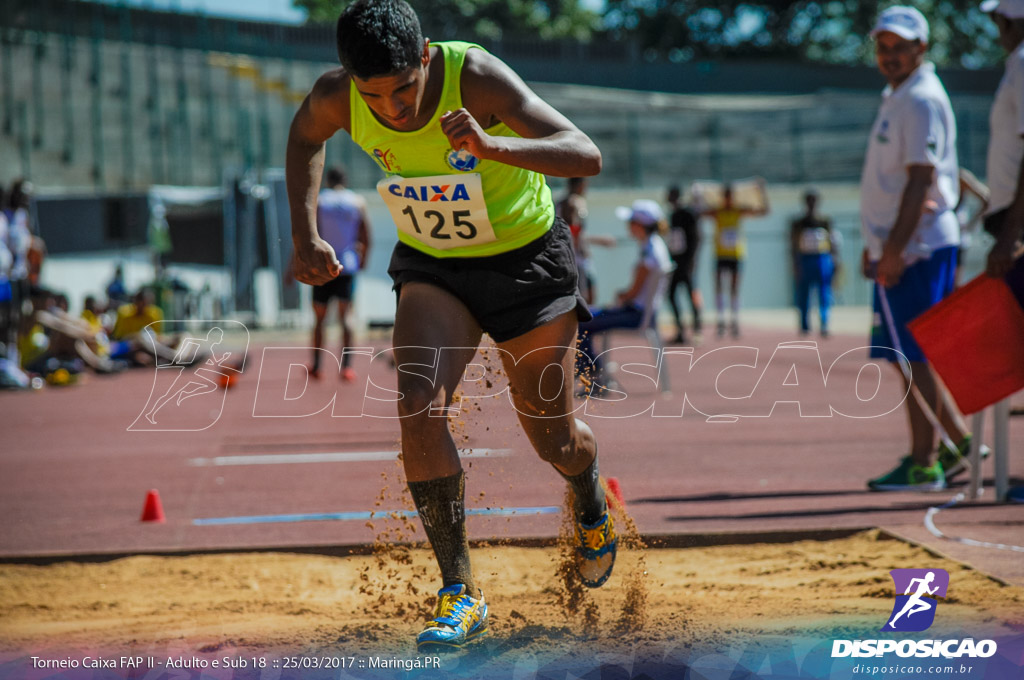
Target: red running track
75, 476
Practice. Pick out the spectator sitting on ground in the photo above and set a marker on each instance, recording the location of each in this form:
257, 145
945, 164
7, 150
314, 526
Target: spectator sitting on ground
95, 315
131, 340
68, 339
41, 348
133, 317
645, 220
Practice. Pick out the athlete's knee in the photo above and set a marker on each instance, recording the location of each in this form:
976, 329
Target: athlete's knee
556, 446
536, 407
560, 442
418, 396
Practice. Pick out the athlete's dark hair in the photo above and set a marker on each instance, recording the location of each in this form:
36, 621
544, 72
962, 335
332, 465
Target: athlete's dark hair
378, 38
335, 175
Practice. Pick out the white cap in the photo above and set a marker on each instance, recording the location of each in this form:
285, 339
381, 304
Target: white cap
644, 211
1011, 9
906, 22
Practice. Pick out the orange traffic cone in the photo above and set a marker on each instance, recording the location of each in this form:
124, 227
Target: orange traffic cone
227, 381
153, 510
616, 490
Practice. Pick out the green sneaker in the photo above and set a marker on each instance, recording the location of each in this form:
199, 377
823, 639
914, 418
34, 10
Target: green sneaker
909, 476
954, 461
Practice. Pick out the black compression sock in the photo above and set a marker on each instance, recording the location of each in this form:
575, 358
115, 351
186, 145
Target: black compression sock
590, 504
440, 503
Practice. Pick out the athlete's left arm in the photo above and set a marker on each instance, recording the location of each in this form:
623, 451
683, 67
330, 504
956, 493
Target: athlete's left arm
549, 143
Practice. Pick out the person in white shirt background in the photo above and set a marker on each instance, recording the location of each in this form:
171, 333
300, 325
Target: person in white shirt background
909, 191
1005, 216
645, 220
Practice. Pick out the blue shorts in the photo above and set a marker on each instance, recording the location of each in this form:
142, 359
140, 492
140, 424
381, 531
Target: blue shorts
922, 285
120, 349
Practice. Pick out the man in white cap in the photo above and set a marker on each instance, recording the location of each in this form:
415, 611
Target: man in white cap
1005, 217
909, 189
645, 220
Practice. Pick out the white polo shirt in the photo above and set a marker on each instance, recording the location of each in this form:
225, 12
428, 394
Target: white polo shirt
915, 126
1006, 125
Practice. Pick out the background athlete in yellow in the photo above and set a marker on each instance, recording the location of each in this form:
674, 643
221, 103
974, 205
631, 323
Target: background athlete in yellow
465, 144
730, 250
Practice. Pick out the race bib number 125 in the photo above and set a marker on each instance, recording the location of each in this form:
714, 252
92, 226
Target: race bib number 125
443, 212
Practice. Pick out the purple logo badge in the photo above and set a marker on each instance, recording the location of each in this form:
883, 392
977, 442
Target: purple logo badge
916, 590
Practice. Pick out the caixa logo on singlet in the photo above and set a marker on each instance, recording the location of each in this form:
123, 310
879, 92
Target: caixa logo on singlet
431, 193
461, 160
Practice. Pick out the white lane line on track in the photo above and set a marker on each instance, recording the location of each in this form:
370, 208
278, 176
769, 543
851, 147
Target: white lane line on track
369, 515
336, 457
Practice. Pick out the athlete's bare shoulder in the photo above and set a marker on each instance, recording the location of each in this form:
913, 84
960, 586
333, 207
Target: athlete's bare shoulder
489, 85
493, 93
483, 70
327, 104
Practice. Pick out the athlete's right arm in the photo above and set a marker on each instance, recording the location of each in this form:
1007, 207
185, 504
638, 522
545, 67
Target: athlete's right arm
321, 114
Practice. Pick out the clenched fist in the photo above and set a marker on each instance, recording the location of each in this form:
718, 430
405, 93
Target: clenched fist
315, 262
464, 132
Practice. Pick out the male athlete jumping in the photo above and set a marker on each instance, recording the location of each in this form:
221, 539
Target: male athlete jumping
465, 145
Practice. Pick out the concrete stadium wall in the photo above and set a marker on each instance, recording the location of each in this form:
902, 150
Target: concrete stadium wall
82, 112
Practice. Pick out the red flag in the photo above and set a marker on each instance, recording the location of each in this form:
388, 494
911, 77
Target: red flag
975, 341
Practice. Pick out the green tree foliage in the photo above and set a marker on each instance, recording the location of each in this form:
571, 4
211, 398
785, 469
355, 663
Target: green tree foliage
829, 31
833, 31
468, 19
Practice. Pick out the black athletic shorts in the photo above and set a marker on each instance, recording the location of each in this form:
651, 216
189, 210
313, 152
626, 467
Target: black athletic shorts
994, 223
508, 294
340, 288
729, 264
683, 273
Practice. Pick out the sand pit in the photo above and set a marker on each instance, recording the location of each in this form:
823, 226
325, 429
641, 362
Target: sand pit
358, 605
